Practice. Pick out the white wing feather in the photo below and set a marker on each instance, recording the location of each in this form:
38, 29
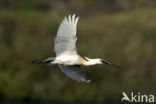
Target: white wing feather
65, 40
75, 72
65, 45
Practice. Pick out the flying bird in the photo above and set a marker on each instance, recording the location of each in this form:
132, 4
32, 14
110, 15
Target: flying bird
67, 57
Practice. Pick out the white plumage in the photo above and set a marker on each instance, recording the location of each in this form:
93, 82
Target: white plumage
65, 40
66, 53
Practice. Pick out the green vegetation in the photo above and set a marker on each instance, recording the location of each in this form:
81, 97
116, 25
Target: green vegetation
126, 37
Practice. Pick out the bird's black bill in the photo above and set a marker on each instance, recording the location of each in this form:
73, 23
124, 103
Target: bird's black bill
108, 63
116, 66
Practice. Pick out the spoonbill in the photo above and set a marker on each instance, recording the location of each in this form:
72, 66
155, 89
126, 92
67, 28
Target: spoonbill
67, 57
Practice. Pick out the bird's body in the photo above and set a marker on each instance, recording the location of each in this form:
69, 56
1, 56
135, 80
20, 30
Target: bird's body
67, 60
75, 60
66, 53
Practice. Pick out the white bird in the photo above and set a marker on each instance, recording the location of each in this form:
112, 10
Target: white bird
67, 57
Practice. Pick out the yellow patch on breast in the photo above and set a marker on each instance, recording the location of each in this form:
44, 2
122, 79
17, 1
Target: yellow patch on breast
81, 60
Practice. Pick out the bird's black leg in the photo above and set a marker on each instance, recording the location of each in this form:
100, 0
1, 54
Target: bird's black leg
37, 62
47, 61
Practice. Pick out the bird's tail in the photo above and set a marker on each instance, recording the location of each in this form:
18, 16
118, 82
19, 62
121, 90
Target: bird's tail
108, 63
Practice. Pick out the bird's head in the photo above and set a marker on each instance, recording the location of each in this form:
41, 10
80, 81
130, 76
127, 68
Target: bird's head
95, 61
98, 61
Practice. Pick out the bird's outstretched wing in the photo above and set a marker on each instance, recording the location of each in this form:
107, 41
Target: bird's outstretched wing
75, 72
65, 40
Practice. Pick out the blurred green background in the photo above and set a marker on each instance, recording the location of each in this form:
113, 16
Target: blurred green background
121, 31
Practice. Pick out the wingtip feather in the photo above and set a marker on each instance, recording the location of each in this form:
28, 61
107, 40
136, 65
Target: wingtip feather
69, 19
76, 20
73, 19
